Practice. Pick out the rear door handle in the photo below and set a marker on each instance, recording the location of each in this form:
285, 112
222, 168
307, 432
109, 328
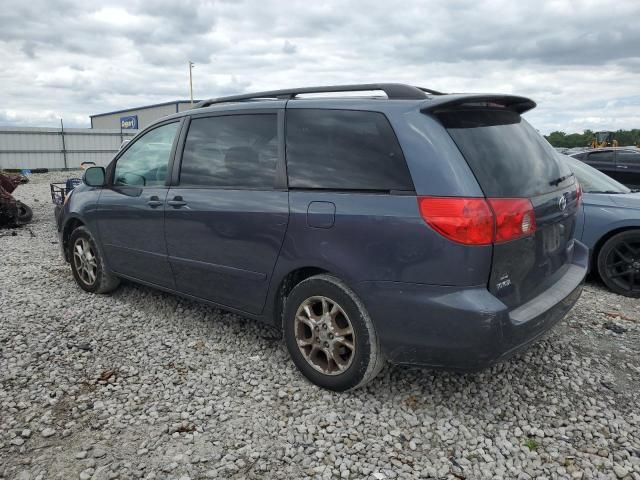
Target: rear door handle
177, 202
154, 202
622, 166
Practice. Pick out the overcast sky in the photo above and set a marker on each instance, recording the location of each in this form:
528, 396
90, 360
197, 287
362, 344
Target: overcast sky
579, 60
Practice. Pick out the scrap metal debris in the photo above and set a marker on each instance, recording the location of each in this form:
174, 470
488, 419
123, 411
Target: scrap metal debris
13, 213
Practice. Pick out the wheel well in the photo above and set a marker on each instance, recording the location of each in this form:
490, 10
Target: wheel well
66, 234
599, 244
288, 282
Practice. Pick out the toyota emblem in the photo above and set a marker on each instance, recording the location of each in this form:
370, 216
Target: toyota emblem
562, 203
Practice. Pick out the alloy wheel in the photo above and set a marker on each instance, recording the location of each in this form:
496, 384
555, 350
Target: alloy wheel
623, 265
84, 260
324, 335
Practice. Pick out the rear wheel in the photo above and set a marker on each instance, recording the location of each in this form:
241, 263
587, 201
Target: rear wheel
87, 264
329, 334
619, 263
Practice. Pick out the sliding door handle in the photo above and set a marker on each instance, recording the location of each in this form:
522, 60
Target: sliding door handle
177, 202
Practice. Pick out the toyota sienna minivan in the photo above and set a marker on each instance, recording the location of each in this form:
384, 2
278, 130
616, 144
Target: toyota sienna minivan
408, 226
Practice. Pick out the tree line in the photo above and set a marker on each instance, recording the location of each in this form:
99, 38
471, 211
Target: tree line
571, 140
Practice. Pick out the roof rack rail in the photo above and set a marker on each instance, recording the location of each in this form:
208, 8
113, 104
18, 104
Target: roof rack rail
394, 91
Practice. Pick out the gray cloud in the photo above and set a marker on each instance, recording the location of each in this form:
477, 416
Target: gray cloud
70, 58
289, 47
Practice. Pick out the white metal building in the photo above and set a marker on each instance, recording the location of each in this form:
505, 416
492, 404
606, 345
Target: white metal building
140, 117
57, 148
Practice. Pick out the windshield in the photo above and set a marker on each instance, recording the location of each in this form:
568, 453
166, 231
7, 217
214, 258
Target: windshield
592, 180
507, 156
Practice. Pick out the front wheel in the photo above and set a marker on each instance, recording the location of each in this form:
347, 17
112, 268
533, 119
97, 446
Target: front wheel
619, 263
87, 264
330, 335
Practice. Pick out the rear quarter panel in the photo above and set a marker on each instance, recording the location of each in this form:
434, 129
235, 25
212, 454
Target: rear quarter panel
606, 213
377, 237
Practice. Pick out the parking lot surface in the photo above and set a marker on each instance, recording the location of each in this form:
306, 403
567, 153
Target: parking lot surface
143, 384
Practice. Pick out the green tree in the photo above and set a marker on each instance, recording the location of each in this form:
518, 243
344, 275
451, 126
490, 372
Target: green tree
557, 139
572, 140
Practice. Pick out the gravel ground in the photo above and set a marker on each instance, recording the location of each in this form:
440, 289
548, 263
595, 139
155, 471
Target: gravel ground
142, 384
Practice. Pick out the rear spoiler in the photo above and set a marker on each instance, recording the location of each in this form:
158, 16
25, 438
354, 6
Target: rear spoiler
449, 102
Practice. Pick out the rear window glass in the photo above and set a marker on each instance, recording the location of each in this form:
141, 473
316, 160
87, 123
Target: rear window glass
507, 156
344, 150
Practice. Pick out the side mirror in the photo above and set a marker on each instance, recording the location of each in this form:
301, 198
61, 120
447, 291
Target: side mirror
94, 176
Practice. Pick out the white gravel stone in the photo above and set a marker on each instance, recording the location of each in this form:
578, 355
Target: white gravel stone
620, 471
143, 384
98, 453
86, 474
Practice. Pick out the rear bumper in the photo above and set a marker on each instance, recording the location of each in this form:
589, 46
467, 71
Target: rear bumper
465, 328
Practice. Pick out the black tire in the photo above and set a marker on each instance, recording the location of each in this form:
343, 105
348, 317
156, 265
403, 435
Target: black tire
619, 263
102, 281
25, 214
361, 364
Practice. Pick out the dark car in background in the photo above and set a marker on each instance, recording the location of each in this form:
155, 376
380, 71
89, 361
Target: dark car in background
622, 164
417, 228
609, 224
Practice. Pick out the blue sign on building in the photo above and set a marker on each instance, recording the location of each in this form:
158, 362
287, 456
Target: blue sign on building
129, 123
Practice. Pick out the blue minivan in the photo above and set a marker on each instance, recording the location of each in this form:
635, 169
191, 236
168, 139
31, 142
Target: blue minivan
407, 226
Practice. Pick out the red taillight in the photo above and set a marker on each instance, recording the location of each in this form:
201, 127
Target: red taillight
479, 221
463, 220
515, 218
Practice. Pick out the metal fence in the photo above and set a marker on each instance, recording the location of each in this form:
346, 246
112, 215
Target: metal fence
58, 148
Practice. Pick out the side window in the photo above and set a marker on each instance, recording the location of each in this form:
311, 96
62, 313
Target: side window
145, 163
344, 150
629, 158
231, 151
601, 157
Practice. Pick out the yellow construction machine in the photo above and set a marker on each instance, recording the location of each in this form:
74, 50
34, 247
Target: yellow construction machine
604, 139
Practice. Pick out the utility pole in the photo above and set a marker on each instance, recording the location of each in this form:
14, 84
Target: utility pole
64, 147
191, 65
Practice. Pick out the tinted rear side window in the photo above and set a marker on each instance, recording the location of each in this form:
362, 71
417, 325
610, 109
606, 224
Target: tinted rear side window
344, 150
234, 151
507, 156
603, 157
628, 157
